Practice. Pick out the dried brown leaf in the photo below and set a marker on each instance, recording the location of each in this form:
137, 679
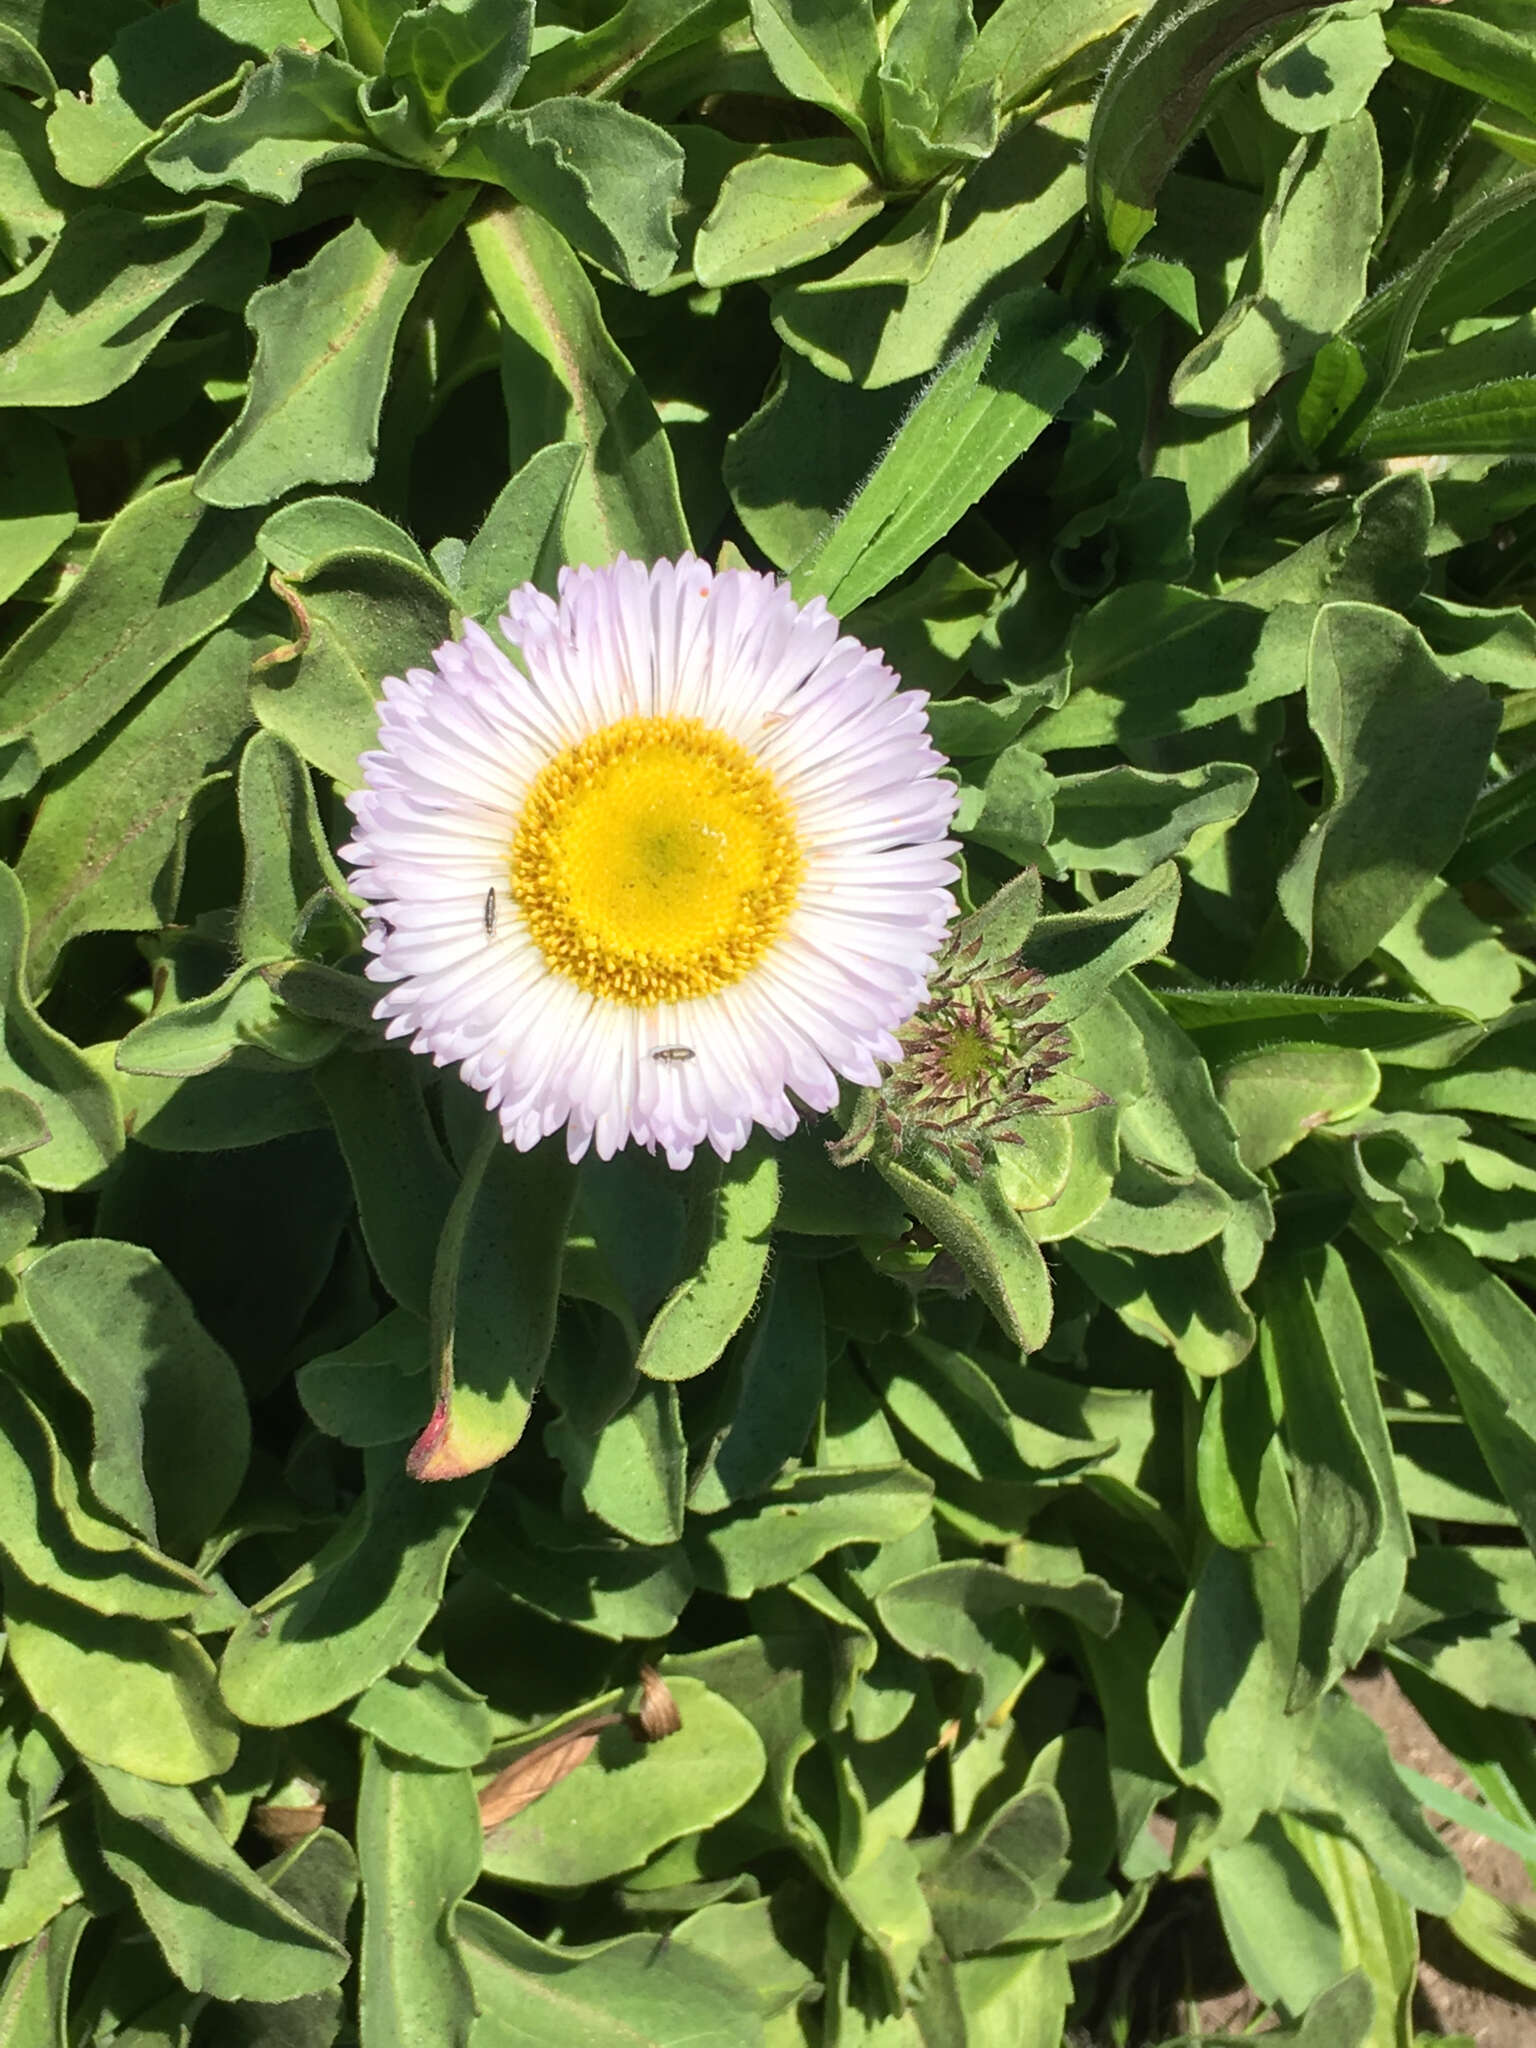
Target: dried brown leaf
657, 1715
537, 1770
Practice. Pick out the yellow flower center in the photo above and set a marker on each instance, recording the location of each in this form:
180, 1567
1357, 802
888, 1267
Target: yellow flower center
654, 861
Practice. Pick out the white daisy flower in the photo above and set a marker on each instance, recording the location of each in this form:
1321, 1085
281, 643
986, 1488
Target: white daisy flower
668, 873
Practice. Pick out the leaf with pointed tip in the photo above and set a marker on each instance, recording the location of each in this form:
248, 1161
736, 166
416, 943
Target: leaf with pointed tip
165, 573
219, 1927
607, 179
294, 114
325, 335
357, 1607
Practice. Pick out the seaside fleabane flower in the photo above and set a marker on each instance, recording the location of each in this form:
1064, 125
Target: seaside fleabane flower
668, 873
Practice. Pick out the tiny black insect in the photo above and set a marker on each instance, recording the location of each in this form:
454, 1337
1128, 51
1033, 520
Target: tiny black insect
672, 1054
490, 913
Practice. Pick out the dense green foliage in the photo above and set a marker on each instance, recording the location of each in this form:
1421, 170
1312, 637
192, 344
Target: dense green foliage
1161, 395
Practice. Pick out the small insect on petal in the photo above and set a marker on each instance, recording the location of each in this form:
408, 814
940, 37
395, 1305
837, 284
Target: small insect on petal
490, 913
672, 1055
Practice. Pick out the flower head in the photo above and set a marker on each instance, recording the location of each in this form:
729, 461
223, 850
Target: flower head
980, 1060
666, 875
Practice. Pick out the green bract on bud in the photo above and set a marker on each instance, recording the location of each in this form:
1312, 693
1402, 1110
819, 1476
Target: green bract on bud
983, 1058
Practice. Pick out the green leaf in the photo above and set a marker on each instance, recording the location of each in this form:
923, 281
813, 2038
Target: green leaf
605, 178
111, 287
161, 67
1476, 396
361, 616
404, 1185
1314, 247
1124, 820
797, 460
218, 1926
124, 1334
241, 1020
1353, 1538
22, 64
1079, 954
1274, 1099
293, 115
1218, 1690
1151, 102
791, 1527
85, 1128
625, 1594
952, 1410
1497, 1932
1483, 255
1447, 954
495, 1290
460, 58
107, 847
1017, 804
130, 1693
302, 539
781, 209
1480, 47
744, 1935
1406, 749
37, 497
1325, 74
827, 55
1480, 1330
1022, 45
1375, 554
519, 540
33, 1894
22, 1124
165, 573
357, 1607
627, 1991
32, 195
976, 1222
1187, 1301
975, 1616
1152, 659
637, 35
782, 1379
61, 1544
627, 1801
21, 1213
325, 334
1493, 1073
1226, 1021
288, 862
1276, 1918
1346, 1779
625, 496
35, 1995
983, 409
418, 1851
421, 1710
631, 1472
1377, 1932
727, 1253
375, 1390
991, 1879
317, 1878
